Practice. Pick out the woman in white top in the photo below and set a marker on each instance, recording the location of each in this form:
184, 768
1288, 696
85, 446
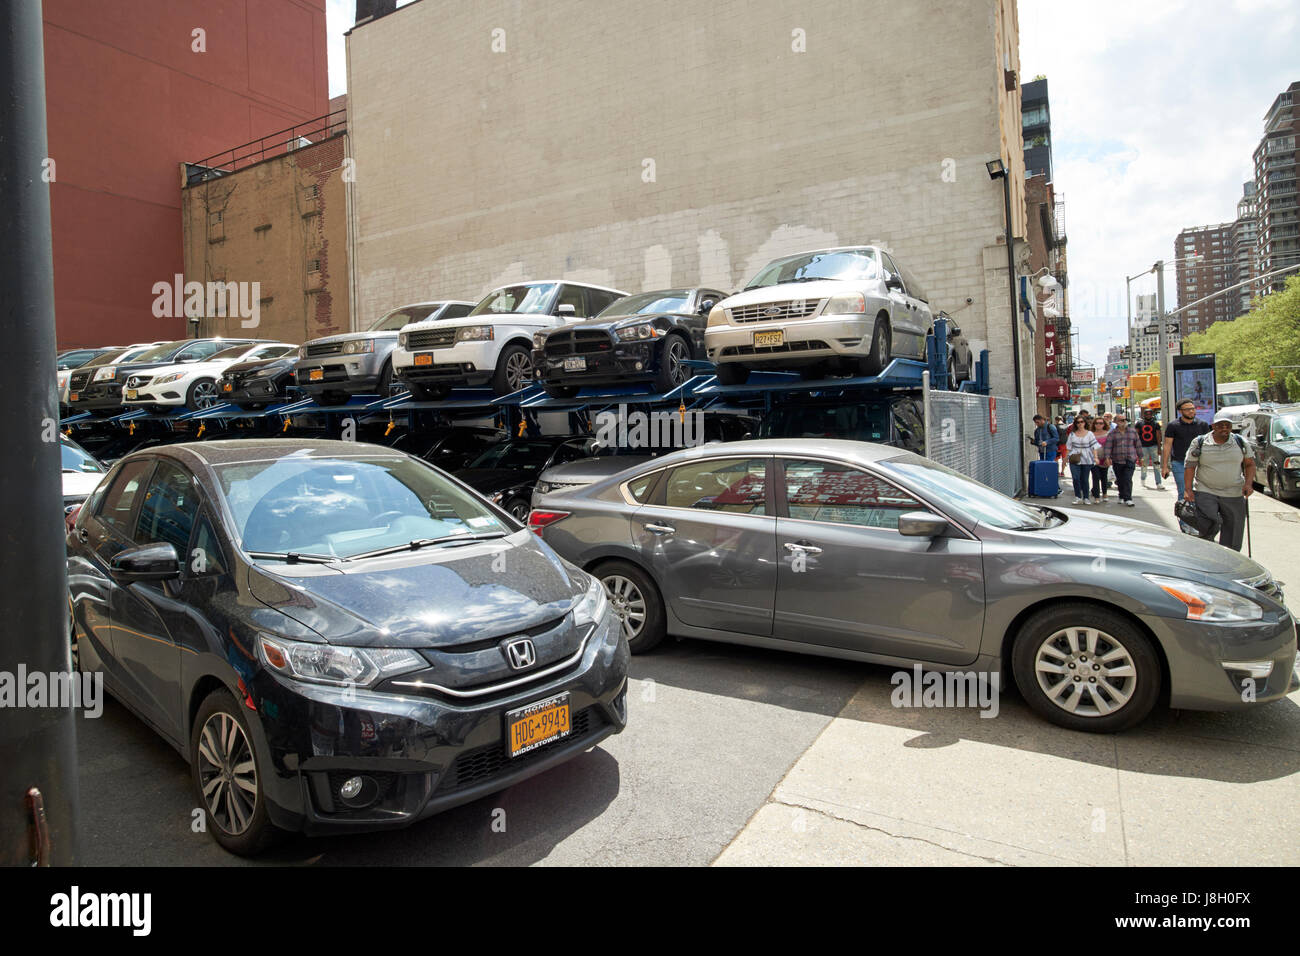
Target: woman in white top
1081, 447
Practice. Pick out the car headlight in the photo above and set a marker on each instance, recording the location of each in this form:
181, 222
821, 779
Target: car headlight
542, 487
401, 340
1291, 462
539, 339
496, 497
339, 666
593, 605
108, 371
634, 332
1204, 603
61, 379
302, 351
717, 316
474, 333
846, 304
357, 346
174, 377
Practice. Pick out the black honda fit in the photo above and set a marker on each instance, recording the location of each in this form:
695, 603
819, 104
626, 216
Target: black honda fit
336, 636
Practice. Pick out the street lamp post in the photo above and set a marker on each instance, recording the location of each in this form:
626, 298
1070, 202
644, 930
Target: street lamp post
997, 170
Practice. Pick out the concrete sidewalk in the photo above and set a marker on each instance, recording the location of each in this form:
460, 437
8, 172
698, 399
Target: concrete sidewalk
889, 786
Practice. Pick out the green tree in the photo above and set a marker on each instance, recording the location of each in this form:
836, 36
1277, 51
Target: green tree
1266, 336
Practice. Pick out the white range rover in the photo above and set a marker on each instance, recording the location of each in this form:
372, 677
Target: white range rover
493, 344
852, 309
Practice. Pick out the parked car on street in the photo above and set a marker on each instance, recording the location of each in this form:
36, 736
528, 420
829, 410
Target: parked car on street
850, 309
898, 420
866, 552
103, 393
505, 472
450, 449
321, 631
257, 383
638, 338
334, 368
82, 473
1238, 399
193, 384
75, 380
1275, 432
493, 344
68, 360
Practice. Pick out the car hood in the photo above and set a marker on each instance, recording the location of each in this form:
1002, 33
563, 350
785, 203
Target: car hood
260, 365
439, 597
488, 481
187, 368
352, 337
591, 470
623, 321
1157, 547
821, 289
539, 319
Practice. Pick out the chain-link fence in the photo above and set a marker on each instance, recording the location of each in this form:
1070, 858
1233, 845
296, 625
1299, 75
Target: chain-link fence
959, 437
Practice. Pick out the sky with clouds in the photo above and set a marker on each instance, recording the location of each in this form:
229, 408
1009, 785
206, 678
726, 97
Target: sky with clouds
1156, 108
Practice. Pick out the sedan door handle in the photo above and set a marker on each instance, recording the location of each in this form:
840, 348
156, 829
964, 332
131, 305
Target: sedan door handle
802, 548
660, 528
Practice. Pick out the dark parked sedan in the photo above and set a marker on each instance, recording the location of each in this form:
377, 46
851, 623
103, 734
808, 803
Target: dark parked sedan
639, 338
870, 553
258, 383
336, 636
451, 449
506, 472
1275, 431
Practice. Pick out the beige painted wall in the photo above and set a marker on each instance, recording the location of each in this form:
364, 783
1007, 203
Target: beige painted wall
646, 145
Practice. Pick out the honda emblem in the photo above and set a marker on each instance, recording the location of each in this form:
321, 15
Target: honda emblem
521, 654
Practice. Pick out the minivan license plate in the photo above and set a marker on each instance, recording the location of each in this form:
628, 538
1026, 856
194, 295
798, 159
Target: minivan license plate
769, 339
315, 375
539, 723
575, 364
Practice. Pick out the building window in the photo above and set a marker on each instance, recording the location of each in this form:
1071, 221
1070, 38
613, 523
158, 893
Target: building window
313, 265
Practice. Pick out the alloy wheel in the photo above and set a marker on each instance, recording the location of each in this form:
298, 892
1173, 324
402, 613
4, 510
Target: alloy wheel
676, 353
205, 394
1273, 488
227, 773
1085, 671
519, 370
627, 602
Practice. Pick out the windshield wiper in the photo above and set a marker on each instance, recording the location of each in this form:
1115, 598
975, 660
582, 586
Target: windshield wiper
294, 557
419, 543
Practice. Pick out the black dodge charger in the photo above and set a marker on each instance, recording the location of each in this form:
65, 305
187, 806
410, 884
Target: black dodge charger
336, 636
638, 338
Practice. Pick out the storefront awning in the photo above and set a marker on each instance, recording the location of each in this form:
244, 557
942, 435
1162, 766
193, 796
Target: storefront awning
1053, 388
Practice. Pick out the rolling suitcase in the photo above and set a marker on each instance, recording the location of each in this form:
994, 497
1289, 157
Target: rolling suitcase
1044, 480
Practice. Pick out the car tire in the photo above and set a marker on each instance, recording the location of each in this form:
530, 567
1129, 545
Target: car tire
1069, 637
882, 348
671, 372
560, 391
518, 508
953, 383
385, 386
637, 604
428, 393
222, 741
202, 394
731, 373
514, 369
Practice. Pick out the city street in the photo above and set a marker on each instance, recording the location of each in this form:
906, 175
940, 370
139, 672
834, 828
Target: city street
741, 756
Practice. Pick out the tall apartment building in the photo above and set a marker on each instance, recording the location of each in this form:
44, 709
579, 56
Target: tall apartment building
1116, 371
1212, 272
1242, 240
1278, 245
1036, 127
1147, 344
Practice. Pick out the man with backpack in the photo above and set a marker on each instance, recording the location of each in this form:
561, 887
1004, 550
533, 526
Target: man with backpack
1046, 438
1219, 477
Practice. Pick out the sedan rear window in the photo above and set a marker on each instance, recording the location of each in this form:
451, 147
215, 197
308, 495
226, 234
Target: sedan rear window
737, 485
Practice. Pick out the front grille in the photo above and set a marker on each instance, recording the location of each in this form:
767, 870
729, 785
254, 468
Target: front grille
430, 338
138, 381
578, 342
774, 311
78, 381
324, 348
483, 763
809, 345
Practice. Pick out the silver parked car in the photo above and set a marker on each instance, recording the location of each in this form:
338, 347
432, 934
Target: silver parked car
871, 553
850, 309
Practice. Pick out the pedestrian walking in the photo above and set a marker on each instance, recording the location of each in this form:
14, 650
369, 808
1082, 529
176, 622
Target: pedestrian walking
1046, 439
1122, 451
1063, 430
1220, 476
1179, 435
1100, 482
1081, 445
1148, 431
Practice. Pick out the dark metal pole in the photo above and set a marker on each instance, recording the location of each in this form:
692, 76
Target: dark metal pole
1015, 331
37, 743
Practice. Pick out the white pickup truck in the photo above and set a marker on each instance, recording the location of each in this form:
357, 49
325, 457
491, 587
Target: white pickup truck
1238, 399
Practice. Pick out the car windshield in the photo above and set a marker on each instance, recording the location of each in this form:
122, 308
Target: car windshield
964, 495
1229, 399
404, 316
76, 458
671, 300
74, 359
341, 507
526, 455
234, 352
1286, 428
108, 358
159, 352
828, 264
532, 297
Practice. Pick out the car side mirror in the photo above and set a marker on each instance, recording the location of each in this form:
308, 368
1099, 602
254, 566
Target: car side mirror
894, 282
922, 524
148, 562
567, 310
707, 306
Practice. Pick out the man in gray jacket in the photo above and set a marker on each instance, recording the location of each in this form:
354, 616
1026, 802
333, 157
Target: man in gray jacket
1221, 469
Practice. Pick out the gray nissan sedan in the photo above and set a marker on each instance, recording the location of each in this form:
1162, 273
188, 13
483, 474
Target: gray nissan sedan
865, 552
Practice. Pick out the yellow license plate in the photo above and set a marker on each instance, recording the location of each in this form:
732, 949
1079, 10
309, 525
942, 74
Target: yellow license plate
315, 375
74, 397
769, 339
424, 360
227, 387
541, 723
131, 393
